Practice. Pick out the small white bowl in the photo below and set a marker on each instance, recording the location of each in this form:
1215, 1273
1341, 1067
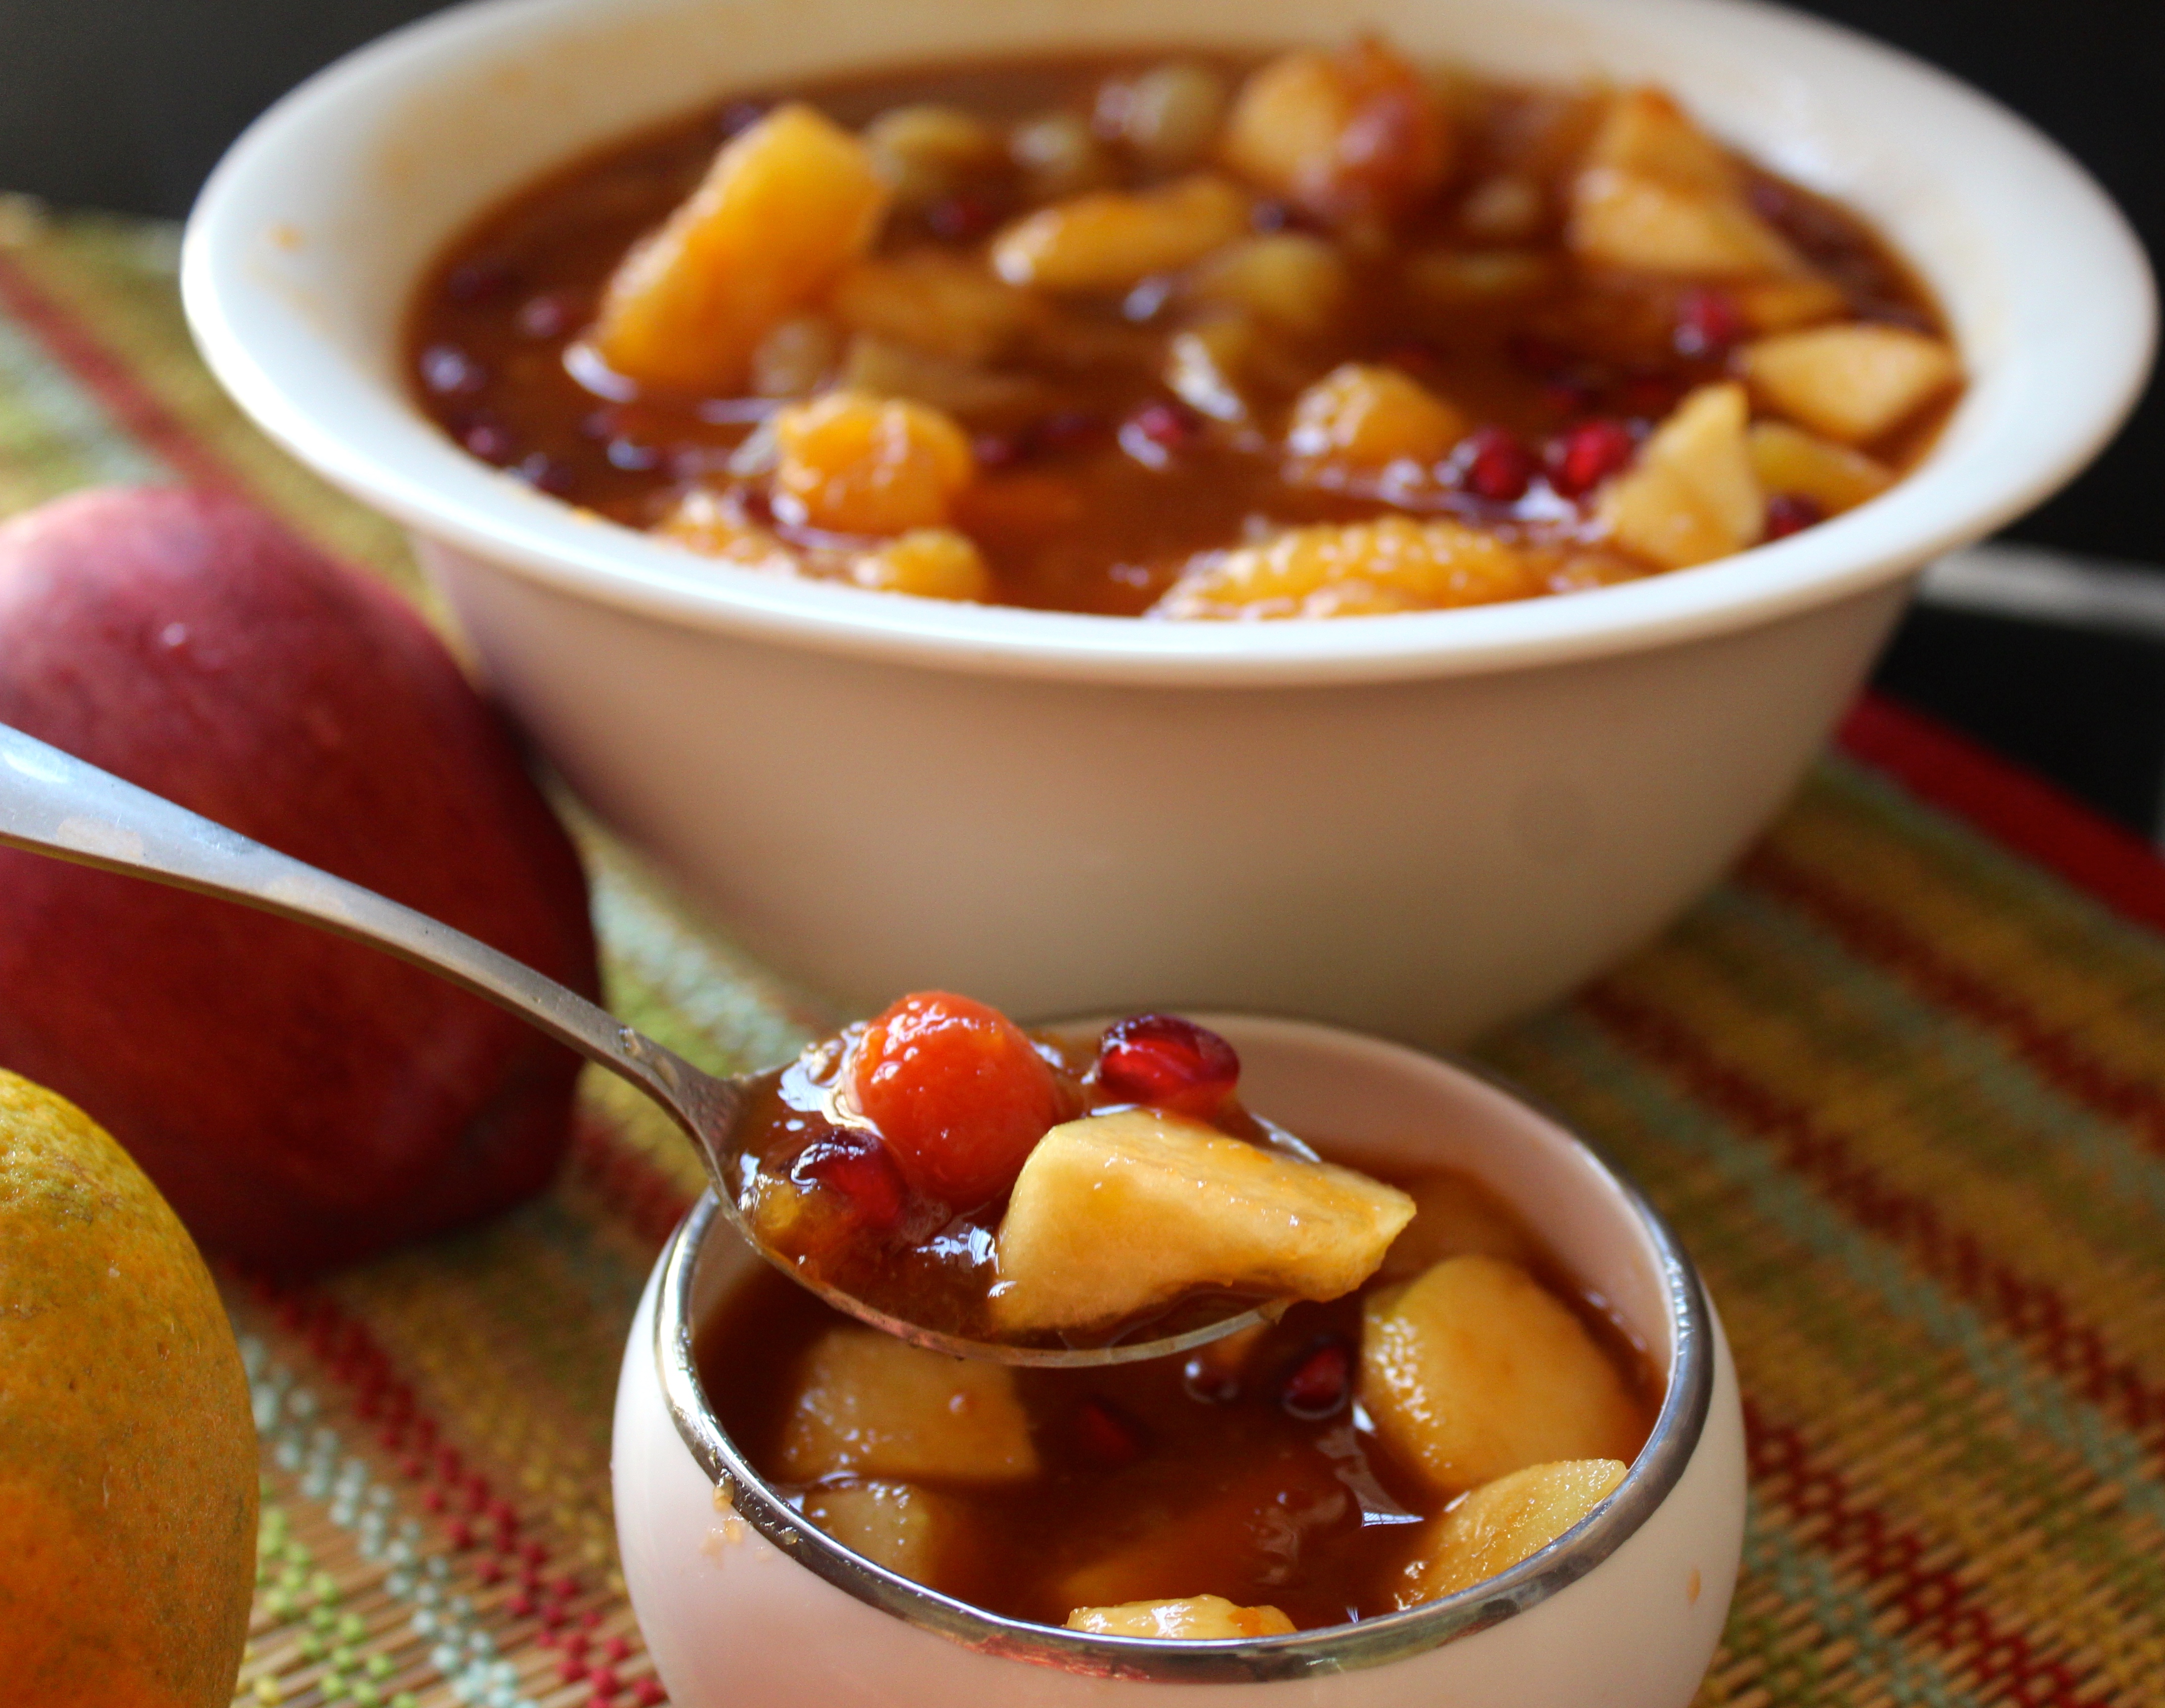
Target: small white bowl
1414, 824
753, 1607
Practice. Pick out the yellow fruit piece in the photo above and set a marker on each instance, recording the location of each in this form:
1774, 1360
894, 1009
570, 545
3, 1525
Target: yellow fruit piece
855, 464
875, 1406
1288, 279
1692, 496
785, 205
1787, 458
710, 523
1195, 1618
1167, 116
1366, 417
1853, 382
1476, 1370
932, 563
912, 1531
1346, 135
1111, 239
1783, 305
128, 1452
1114, 1213
925, 151
1645, 133
1502, 1522
1207, 366
933, 299
1453, 1216
1349, 569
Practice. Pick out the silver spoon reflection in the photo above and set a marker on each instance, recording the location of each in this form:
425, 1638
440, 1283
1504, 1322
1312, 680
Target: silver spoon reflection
51, 803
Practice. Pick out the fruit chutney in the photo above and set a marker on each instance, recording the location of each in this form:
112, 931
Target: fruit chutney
1439, 1401
1197, 337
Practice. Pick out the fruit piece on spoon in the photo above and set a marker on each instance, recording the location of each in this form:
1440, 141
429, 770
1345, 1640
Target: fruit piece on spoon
959, 1173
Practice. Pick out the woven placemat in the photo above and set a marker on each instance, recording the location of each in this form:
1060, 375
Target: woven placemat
1900, 1083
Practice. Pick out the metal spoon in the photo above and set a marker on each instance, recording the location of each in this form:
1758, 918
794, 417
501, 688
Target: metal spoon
51, 803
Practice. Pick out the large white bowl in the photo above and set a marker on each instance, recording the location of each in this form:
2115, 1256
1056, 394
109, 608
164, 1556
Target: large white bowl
1417, 824
752, 1606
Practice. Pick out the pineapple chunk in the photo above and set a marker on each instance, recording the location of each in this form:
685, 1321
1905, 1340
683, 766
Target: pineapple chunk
1452, 1217
875, 1406
1657, 195
1502, 1522
1195, 1618
933, 301
1851, 382
907, 1529
1289, 279
785, 206
1366, 417
932, 563
1111, 239
1784, 305
1788, 459
1691, 497
1475, 1371
1115, 1213
1353, 135
856, 463
1351, 569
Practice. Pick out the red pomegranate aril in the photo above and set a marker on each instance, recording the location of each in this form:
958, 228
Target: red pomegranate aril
1168, 1063
859, 1167
1172, 426
1793, 513
1581, 457
1108, 1436
1318, 1384
1708, 323
962, 217
1497, 465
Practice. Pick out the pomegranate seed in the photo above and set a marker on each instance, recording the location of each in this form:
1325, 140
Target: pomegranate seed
1172, 1063
1497, 465
959, 218
489, 442
1170, 426
1107, 1435
1792, 513
1318, 1384
1212, 1384
550, 315
859, 1167
1708, 323
450, 372
545, 473
996, 450
1581, 457
479, 282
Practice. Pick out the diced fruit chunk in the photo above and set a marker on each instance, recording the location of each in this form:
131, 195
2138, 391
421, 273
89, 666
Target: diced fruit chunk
933, 301
1853, 382
1366, 417
1454, 1216
1475, 1371
1110, 239
1502, 1522
1289, 279
856, 463
1168, 115
1116, 1213
1692, 496
1349, 135
956, 1089
1197, 1619
1351, 569
933, 563
1657, 195
785, 205
871, 1406
1787, 458
1168, 1063
925, 151
912, 1531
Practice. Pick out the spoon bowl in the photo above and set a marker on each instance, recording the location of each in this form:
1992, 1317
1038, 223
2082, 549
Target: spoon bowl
52, 803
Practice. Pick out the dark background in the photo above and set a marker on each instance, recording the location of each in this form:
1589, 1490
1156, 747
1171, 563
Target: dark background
126, 103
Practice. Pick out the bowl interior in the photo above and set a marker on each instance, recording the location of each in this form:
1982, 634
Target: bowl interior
303, 250
1358, 1100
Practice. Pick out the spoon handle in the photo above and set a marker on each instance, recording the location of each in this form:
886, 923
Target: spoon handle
52, 803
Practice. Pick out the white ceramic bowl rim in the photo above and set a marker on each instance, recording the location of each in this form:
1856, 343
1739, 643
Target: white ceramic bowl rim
2081, 325
1338, 1648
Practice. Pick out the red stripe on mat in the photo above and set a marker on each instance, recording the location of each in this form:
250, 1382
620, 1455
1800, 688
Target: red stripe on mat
132, 406
2015, 807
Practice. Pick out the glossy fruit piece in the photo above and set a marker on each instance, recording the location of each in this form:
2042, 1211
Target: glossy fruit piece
958, 1092
1317, 1385
1497, 465
1587, 454
859, 1169
1167, 1063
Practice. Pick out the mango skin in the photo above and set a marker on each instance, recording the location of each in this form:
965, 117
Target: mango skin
128, 1452
300, 1101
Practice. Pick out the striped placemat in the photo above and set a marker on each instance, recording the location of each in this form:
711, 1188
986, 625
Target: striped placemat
1900, 1082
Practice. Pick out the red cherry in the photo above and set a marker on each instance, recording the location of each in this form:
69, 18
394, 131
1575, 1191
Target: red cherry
1792, 513
1581, 457
957, 1092
1318, 1384
1169, 1063
1107, 1435
1708, 323
859, 1167
1497, 465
